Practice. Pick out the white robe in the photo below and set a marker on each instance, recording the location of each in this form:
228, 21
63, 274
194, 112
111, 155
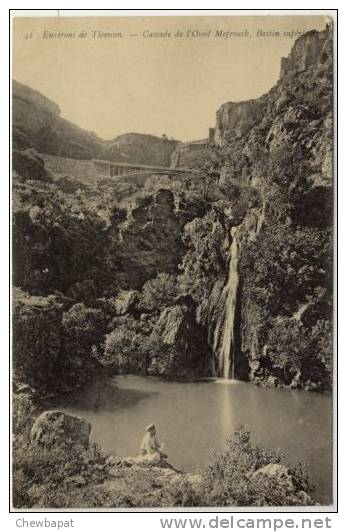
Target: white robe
149, 444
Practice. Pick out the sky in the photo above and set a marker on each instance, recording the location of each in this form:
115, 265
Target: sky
124, 79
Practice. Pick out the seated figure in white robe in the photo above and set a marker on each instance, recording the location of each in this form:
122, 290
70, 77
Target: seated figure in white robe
151, 448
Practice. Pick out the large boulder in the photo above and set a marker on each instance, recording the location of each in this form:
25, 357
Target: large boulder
53, 428
286, 482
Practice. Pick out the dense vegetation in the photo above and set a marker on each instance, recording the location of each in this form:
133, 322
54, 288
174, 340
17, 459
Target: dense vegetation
79, 307
130, 276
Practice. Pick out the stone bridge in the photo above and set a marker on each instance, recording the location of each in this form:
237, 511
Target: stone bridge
116, 169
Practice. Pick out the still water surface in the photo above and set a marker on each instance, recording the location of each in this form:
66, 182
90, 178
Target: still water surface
194, 418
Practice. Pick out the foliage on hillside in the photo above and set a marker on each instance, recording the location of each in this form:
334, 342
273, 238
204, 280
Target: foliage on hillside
125, 263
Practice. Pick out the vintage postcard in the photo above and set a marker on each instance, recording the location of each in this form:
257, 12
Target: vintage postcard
172, 200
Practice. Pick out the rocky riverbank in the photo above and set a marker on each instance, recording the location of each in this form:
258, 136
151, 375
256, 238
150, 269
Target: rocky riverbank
56, 466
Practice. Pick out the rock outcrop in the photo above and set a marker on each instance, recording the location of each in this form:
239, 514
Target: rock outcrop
235, 119
149, 240
37, 123
281, 476
126, 301
184, 350
289, 112
54, 428
310, 49
299, 126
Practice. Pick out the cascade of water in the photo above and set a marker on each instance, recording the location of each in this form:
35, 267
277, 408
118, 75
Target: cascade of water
223, 336
227, 318
261, 219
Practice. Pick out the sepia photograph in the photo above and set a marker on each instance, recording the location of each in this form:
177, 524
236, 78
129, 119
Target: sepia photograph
172, 262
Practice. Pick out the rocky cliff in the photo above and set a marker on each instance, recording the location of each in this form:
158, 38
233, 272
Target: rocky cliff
297, 111
37, 123
281, 146
139, 148
310, 49
247, 237
235, 119
148, 241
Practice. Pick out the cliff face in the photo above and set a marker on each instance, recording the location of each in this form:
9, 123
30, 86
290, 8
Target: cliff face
297, 111
284, 141
149, 241
310, 49
184, 348
37, 124
235, 119
27, 98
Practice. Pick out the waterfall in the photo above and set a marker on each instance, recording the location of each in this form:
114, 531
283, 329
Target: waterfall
224, 342
261, 219
224, 325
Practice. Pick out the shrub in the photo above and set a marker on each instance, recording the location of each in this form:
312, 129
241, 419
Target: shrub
83, 328
127, 346
231, 479
36, 338
55, 478
301, 353
84, 291
159, 292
